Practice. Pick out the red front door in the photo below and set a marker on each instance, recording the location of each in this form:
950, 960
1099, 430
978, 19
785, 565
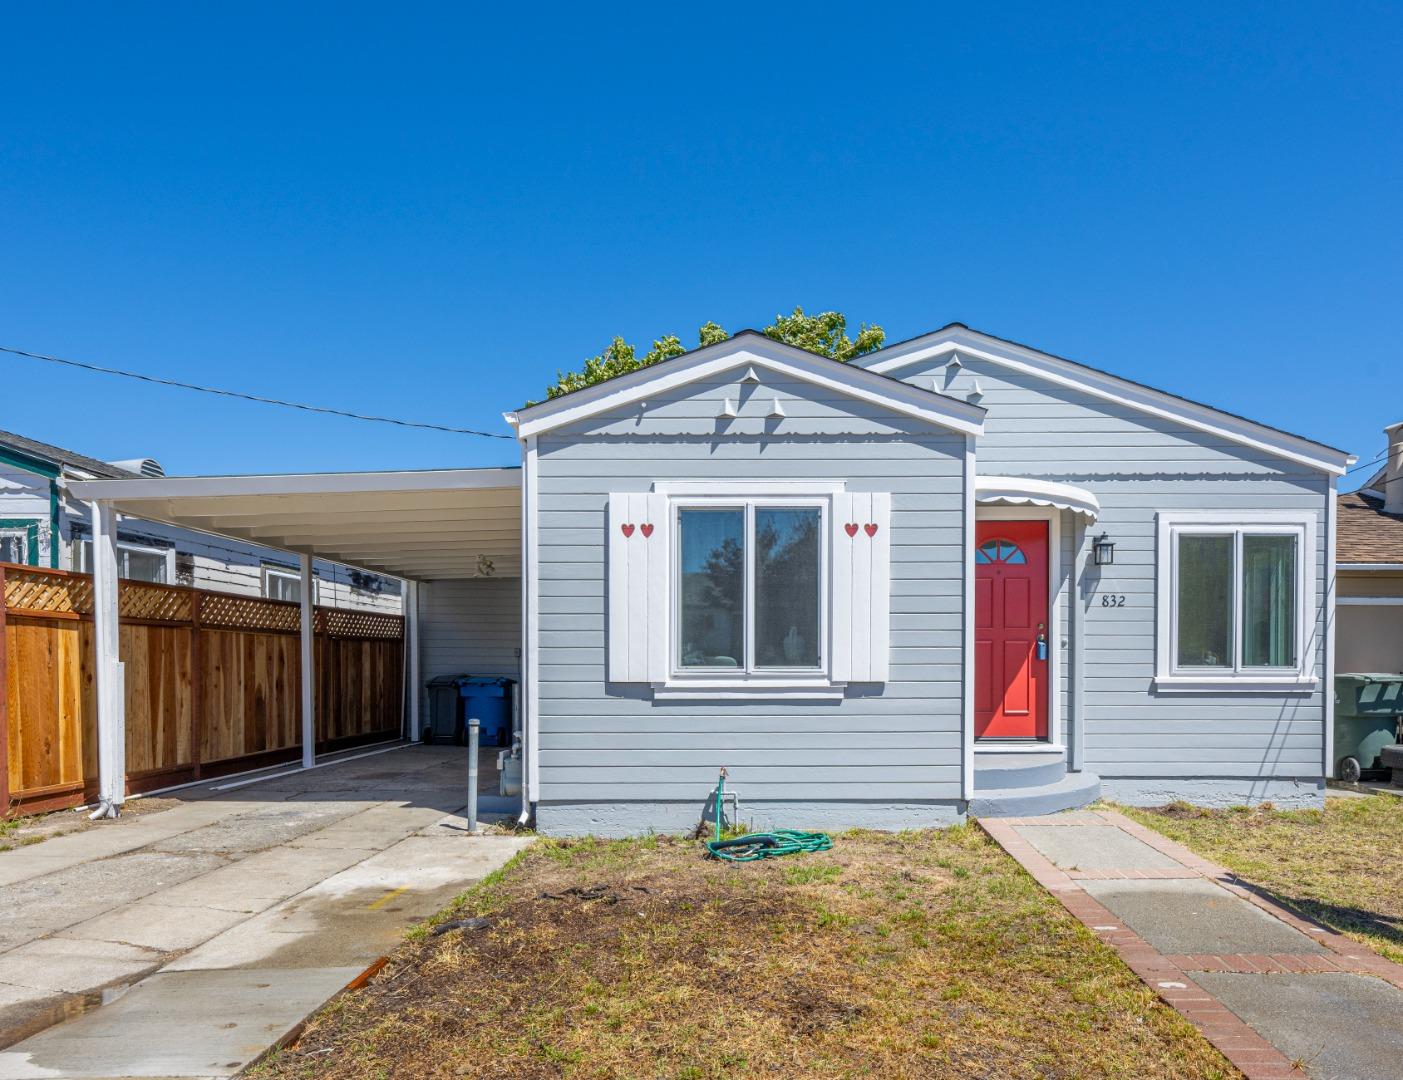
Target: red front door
1011, 636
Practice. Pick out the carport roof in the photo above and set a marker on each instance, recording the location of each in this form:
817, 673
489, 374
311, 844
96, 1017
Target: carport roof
423, 525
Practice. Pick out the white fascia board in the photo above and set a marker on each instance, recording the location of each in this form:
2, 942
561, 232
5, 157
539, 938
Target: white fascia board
1385, 566
754, 351
207, 487
1112, 388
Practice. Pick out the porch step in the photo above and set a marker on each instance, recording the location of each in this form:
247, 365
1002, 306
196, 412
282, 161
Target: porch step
993, 769
1068, 793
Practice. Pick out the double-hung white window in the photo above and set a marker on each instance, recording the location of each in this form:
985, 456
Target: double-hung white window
1236, 601
749, 589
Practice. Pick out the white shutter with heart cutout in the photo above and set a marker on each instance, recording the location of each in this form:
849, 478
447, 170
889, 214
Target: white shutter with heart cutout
639, 572
861, 608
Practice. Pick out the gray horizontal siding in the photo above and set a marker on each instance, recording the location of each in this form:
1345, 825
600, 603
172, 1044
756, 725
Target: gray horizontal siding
1139, 465
470, 627
602, 742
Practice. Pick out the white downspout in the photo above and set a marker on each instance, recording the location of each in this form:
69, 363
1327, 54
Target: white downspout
530, 635
111, 684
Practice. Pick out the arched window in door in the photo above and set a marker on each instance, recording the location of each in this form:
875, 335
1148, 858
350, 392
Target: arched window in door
1000, 551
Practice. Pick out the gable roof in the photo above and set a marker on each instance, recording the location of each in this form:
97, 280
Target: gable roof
58, 456
1364, 533
749, 347
959, 338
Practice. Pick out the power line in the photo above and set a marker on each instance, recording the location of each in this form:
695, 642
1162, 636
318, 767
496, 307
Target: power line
253, 397
1367, 463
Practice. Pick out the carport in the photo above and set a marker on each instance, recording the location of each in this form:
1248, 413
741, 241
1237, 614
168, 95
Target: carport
425, 527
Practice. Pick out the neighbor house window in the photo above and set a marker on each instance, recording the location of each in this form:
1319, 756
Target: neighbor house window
19, 541
749, 587
282, 584
135, 562
1234, 596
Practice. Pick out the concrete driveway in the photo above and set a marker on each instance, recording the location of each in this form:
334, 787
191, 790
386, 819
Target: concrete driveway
185, 942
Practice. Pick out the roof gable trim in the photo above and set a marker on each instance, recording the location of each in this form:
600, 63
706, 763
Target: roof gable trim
757, 351
1145, 399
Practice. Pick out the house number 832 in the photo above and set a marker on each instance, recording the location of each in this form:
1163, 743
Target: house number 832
1113, 600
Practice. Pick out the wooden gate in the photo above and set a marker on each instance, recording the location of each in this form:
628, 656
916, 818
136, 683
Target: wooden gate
213, 684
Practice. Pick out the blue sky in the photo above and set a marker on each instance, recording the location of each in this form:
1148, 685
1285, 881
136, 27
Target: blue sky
425, 211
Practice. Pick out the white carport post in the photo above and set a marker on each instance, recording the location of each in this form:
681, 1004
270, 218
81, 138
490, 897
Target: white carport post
309, 674
411, 626
111, 686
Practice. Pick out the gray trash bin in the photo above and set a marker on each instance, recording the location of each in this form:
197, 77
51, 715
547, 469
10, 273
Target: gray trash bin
445, 710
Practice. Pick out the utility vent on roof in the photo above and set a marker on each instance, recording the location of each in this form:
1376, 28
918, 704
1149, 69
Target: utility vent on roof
143, 466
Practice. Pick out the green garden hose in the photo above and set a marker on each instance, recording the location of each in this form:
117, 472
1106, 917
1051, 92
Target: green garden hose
753, 846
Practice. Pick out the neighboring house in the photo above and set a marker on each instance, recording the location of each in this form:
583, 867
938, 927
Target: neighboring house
41, 524
1369, 618
957, 573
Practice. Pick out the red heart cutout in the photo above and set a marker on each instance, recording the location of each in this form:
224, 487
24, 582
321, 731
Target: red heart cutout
870, 529
851, 528
646, 530
627, 529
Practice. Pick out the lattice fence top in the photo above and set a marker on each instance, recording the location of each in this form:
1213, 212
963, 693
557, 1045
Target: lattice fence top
222, 611
47, 591
339, 622
36, 591
155, 603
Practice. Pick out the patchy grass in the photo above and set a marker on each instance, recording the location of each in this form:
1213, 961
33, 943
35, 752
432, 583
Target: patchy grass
925, 954
1339, 865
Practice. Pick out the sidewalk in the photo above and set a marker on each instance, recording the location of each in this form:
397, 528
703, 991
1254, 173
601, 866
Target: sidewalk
1280, 996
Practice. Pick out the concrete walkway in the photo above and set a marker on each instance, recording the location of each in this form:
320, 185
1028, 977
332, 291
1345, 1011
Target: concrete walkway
1281, 996
210, 930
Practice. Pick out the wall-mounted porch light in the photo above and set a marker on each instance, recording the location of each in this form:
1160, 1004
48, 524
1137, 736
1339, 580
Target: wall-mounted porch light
1105, 550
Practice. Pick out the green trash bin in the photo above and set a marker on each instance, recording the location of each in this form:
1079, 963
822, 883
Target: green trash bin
1368, 708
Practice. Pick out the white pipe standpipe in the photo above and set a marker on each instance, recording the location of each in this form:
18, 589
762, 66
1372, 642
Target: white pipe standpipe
111, 684
411, 629
309, 674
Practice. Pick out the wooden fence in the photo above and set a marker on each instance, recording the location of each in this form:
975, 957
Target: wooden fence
212, 684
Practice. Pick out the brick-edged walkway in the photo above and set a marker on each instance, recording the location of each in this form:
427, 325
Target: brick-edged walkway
1168, 975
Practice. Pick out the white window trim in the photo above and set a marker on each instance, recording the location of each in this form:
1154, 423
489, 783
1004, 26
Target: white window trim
166, 553
1055, 572
267, 570
749, 684
1168, 676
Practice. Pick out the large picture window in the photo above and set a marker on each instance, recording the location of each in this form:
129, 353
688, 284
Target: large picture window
1234, 596
749, 587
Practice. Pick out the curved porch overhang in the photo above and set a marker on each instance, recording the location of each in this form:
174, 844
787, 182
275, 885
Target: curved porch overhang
1018, 491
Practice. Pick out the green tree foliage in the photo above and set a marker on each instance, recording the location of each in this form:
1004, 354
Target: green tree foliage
825, 333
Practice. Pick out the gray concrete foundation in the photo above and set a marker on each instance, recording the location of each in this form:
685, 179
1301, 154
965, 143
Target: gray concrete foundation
623, 819
1305, 793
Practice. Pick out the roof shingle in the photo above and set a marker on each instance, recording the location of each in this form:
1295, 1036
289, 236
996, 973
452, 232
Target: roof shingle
1364, 533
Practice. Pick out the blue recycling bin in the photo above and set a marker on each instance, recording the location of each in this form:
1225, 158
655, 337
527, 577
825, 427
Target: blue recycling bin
488, 699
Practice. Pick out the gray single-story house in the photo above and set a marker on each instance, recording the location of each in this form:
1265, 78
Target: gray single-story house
955, 575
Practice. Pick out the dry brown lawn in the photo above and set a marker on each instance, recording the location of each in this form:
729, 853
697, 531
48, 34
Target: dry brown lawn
1340, 866
925, 954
